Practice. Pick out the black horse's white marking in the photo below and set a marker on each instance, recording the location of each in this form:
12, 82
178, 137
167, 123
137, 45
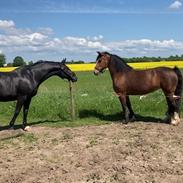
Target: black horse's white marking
22, 84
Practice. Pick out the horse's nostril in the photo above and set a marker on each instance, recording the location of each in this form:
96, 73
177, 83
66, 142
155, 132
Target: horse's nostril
74, 79
96, 72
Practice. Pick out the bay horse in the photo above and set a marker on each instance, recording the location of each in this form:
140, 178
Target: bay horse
23, 83
128, 81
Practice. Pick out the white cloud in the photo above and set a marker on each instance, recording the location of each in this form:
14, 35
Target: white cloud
27, 42
175, 5
4, 24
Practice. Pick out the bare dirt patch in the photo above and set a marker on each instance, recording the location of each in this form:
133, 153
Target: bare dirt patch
137, 152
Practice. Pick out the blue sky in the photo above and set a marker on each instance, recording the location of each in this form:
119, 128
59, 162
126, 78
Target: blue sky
76, 29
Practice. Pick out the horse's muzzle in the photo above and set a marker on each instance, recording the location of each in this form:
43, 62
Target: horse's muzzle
74, 79
96, 72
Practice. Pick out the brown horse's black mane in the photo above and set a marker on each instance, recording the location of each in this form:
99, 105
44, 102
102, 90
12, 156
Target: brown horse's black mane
119, 63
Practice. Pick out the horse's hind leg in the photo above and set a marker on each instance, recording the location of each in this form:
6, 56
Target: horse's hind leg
25, 112
131, 115
19, 104
173, 110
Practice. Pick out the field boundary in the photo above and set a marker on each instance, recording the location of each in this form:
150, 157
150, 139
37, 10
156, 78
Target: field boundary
90, 67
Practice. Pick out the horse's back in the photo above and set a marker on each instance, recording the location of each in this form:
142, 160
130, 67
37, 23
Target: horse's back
14, 84
138, 82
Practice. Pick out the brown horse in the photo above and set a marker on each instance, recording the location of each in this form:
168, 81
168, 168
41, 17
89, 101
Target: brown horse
127, 81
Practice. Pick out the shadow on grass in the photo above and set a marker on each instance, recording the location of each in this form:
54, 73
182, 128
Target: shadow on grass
118, 117
19, 126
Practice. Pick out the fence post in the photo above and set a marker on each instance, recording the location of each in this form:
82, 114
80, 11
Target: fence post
72, 104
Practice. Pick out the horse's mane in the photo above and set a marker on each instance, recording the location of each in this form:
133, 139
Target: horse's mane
35, 64
42, 62
119, 63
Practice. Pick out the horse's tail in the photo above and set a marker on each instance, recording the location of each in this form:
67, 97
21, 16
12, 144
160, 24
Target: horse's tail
179, 87
178, 90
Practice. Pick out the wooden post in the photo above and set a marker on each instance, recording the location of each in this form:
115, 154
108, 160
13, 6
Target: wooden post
72, 105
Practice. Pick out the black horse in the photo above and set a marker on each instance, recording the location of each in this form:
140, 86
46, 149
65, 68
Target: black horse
22, 84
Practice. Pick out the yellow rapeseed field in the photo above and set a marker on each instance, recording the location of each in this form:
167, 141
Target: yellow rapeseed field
90, 67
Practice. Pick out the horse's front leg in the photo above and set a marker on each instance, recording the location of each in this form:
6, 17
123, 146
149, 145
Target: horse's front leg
18, 107
131, 114
123, 101
25, 112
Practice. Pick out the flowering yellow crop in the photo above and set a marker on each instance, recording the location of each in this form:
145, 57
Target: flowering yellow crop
140, 65
7, 69
81, 67
146, 65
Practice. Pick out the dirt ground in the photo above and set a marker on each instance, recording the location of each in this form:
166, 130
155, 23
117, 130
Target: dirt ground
135, 153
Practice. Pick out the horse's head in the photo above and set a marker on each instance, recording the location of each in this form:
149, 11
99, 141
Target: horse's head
66, 73
102, 62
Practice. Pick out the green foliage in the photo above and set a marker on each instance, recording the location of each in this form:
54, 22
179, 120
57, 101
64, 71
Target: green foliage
18, 61
154, 59
2, 59
30, 62
75, 62
9, 65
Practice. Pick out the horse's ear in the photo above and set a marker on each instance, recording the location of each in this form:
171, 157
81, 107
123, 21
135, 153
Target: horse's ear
99, 53
63, 61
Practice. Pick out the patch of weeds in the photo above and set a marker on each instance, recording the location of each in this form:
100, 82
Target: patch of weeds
55, 141
92, 142
29, 138
10, 140
67, 136
115, 141
114, 177
94, 177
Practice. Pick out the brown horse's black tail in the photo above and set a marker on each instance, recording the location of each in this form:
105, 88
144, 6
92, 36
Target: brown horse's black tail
179, 88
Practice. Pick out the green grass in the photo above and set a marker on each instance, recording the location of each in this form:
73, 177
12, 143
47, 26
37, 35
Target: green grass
94, 100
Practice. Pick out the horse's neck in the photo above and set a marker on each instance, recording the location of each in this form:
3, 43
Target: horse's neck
116, 66
40, 75
112, 71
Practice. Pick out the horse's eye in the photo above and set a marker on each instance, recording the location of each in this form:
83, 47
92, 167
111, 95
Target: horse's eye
99, 61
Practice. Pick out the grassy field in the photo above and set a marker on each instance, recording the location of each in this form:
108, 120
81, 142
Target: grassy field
94, 99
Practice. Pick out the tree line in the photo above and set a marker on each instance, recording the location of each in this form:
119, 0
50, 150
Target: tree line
154, 59
19, 61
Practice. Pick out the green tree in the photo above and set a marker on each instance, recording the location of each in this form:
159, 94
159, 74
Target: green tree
2, 60
30, 62
18, 61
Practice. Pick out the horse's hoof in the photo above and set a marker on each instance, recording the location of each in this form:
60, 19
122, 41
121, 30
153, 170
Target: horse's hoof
11, 128
132, 119
174, 122
27, 128
124, 122
167, 119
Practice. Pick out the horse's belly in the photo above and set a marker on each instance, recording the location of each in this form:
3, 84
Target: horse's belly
142, 91
7, 98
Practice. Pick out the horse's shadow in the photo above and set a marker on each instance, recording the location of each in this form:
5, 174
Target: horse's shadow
117, 117
19, 126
